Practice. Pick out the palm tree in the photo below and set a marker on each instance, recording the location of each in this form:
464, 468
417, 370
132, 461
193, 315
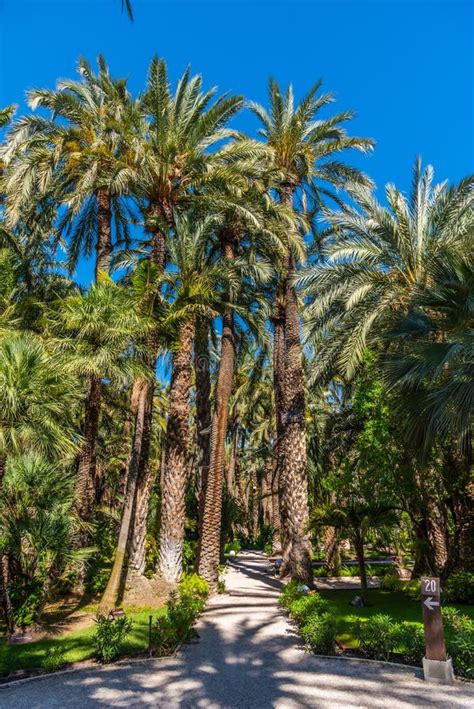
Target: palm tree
375, 260
39, 544
96, 333
194, 288
37, 398
356, 518
304, 151
82, 160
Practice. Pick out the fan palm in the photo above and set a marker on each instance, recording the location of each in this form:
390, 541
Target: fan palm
37, 398
96, 333
355, 518
304, 151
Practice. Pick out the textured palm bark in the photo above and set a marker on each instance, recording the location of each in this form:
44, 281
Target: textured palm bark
104, 233
4, 595
267, 494
143, 391
276, 519
296, 546
84, 491
209, 542
331, 550
132, 533
230, 469
359, 548
136, 547
279, 479
175, 471
202, 374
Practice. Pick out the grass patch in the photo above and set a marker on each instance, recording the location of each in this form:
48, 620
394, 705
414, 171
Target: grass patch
397, 605
75, 646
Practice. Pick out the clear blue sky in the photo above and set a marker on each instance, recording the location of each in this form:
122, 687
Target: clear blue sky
405, 66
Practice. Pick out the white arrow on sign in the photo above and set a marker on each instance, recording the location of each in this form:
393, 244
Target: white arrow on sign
430, 603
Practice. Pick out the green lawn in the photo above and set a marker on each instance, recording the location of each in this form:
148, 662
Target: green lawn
397, 605
76, 645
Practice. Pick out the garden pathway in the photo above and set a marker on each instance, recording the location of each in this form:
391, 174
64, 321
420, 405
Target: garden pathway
248, 657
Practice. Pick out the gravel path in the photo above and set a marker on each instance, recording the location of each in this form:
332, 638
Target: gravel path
248, 656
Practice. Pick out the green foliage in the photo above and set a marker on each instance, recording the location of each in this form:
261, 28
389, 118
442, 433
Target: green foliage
54, 659
461, 644
109, 636
319, 633
221, 586
377, 636
289, 594
26, 596
459, 588
189, 555
312, 604
182, 609
232, 546
412, 639
37, 527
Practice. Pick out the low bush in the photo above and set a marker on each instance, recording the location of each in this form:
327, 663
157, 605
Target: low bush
54, 659
234, 546
301, 608
461, 646
378, 636
411, 639
109, 635
319, 633
459, 588
183, 607
289, 594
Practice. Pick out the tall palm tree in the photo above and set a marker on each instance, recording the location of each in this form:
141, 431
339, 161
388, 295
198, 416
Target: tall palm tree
305, 151
194, 289
80, 156
375, 260
96, 333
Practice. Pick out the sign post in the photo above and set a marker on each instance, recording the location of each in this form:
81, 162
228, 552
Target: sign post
436, 667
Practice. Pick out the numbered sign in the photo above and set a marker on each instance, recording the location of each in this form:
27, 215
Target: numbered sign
432, 619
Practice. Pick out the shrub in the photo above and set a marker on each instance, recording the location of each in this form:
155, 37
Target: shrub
320, 571
377, 636
391, 583
54, 659
319, 633
221, 586
109, 636
455, 620
461, 650
459, 588
232, 546
411, 638
289, 594
183, 607
302, 607
461, 646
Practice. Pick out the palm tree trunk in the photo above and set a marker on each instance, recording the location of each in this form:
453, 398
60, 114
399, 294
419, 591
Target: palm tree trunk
297, 546
359, 548
84, 492
143, 394
295, 519
175, 472
331, 550
104, 240
280, 516
209, 542
202, 375
5, 596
